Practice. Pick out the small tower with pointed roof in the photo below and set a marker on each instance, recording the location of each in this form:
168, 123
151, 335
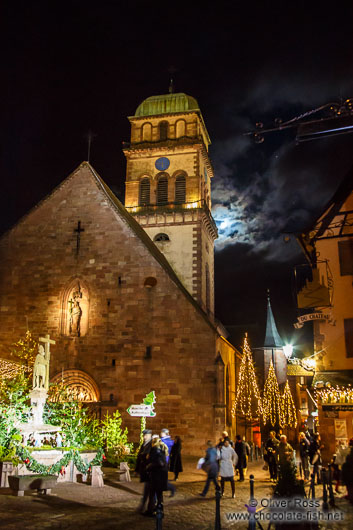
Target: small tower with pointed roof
272, 350
168, 187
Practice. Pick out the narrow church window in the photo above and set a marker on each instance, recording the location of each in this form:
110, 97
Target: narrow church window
162, 190
163, 130
113, 362
207, 287
144, 196
180, 189
161, 237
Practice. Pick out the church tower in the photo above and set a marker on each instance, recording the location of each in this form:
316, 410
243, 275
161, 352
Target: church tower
168, 188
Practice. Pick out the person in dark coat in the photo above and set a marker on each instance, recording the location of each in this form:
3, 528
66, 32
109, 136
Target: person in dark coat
211, 467
315, 455
157, 469
240, 449
271, 447
141, 469
176, 465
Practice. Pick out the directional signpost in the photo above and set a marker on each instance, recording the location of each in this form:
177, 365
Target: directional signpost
144, 410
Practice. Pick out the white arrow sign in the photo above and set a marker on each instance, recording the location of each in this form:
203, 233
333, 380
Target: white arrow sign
141, 410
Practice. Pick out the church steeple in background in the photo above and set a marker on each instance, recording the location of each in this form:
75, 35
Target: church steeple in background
272, 337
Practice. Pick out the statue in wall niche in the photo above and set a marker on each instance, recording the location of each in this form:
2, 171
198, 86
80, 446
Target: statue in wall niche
75, 312
40, 369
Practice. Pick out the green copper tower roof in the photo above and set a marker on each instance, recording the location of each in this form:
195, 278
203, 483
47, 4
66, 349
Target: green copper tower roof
166, 104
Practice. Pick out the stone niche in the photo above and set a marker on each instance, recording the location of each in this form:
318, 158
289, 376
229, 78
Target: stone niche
75, 309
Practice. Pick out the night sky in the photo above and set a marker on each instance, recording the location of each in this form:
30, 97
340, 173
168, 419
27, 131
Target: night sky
68, 68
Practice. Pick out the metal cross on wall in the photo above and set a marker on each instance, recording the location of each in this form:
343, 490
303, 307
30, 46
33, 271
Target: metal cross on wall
78, 231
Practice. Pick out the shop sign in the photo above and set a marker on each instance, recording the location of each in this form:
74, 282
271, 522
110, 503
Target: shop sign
314, 316
338, 406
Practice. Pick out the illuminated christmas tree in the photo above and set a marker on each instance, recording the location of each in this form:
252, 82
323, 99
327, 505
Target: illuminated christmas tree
288, 408
247, 401
272, 401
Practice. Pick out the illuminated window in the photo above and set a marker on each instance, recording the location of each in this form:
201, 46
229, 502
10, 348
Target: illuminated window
163, 130
144, 196
161, 237
162, 190
180, 189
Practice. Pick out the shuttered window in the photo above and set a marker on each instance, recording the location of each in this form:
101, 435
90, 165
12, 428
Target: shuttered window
180, 189
144, 197
348, 335
345, 252
162, 191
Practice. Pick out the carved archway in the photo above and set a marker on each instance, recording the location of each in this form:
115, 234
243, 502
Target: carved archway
75, 309
79, 386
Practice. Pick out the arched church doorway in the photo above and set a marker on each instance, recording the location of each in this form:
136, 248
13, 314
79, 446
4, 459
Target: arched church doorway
79, 386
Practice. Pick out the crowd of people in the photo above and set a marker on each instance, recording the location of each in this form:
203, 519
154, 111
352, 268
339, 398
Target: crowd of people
158, 454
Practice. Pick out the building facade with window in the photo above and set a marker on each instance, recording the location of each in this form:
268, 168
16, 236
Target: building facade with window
168, 188
328, 246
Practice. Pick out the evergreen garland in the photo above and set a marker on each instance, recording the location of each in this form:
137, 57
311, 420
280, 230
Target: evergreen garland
59, 467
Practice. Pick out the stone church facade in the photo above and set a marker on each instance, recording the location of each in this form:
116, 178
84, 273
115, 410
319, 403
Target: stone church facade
80, 267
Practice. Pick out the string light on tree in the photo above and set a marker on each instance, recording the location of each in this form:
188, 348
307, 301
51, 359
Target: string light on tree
272, 402
247, 401
288, 408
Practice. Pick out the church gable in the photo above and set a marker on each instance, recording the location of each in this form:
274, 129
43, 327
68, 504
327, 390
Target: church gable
78, 268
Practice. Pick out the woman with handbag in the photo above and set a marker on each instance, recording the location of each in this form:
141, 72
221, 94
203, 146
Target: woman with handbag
210, 466
227, 459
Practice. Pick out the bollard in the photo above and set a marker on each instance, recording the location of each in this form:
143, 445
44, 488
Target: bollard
312, 486
159, 517
217, 525
324, 489
330, 488
251, 487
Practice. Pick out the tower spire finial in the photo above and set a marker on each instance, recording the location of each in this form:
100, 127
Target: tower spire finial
171, 86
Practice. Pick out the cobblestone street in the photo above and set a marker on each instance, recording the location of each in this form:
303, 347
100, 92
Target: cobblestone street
115, 505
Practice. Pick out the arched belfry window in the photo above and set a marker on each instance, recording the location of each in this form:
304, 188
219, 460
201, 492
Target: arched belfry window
75, 309
180, 189
180, 128
146, 132
163, 130
162, 190
144, 192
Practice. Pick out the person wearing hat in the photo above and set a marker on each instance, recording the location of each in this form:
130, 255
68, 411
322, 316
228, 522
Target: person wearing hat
141, 469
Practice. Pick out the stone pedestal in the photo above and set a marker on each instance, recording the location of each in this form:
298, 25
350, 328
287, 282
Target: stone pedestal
38, 399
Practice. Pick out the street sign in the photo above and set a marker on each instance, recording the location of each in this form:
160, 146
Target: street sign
140, 410
144, 409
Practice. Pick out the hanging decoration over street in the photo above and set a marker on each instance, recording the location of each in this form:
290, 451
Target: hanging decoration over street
247, 402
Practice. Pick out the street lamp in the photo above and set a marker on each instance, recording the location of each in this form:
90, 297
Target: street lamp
288, 350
